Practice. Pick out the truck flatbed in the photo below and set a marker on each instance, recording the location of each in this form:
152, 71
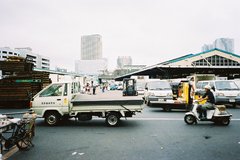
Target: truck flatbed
108, 98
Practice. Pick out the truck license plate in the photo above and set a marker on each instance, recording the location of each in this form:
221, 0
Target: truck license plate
231, 100
160, 99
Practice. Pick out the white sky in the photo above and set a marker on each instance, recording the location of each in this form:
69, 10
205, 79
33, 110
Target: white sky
150, 31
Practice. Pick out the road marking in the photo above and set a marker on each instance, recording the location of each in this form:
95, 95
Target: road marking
165, 119
157, 119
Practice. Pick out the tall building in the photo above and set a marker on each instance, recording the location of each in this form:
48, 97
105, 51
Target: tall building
207, 47
91, 47
92, 61
39, 61
124, 60
225, 44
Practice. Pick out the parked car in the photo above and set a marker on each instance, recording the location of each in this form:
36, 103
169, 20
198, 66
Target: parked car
113, 87
225, 91
157, 90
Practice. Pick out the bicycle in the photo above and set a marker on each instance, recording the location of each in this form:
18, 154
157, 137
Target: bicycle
21, 134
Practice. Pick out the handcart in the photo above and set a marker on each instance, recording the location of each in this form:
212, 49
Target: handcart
17, 131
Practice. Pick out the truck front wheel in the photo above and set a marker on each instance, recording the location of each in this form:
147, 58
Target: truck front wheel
52, 118
112, 119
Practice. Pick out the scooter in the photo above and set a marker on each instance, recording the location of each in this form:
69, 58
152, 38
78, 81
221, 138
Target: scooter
218, 115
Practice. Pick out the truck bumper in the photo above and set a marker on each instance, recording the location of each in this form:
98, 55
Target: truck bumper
227, 100
156, 98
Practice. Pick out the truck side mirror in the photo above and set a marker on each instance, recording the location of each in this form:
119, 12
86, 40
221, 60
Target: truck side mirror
146, 88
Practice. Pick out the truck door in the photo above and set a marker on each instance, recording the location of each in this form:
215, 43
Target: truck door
53, 96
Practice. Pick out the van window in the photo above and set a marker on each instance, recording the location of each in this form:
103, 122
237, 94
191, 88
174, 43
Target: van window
140, 85
226, 85
204, 84
199, 85
53, 90
211, 84
159, 85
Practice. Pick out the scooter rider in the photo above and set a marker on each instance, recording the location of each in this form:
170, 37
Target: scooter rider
209, 103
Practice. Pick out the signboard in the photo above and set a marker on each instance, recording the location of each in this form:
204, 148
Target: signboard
28, 81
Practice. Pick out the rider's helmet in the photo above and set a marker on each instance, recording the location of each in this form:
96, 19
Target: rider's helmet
207, 87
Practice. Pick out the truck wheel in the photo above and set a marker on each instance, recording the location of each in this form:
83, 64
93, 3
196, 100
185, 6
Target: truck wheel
52, 118
225, 121
112, 119
189, 119
234, 105
167, 109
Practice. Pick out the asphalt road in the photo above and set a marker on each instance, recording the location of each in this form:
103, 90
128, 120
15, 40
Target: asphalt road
152, 135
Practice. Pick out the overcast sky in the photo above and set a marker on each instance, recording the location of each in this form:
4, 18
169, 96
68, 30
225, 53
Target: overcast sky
150, 31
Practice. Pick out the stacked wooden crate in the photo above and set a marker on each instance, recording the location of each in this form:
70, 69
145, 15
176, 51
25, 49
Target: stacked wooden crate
20, 83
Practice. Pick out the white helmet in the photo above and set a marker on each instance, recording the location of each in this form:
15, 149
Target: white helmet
207, 87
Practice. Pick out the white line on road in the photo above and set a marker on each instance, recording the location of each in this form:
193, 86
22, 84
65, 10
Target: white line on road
164, 119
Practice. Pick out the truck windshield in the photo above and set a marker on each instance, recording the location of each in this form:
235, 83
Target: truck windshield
226, 85
159, 85
53, 90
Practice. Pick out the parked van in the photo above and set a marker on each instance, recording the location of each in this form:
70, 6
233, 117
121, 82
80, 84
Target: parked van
225, 91
157, 90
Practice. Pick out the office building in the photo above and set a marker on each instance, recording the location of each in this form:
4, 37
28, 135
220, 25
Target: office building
225, 44
39, 61
91, 47
124, 60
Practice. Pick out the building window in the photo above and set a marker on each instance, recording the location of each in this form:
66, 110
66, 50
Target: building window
15, 54
10, 52
4, 52
4, 56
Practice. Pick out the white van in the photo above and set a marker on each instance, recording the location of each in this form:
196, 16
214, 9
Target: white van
157, 90
225, 91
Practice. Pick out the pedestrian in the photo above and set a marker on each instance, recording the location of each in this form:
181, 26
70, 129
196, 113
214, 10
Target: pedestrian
103, 88
87, 88
191, 89
94, 89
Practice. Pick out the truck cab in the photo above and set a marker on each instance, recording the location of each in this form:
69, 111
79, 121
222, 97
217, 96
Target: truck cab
55, 98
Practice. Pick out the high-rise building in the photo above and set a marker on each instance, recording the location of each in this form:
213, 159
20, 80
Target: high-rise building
91, 47
207, 47
124, 60
39, 61
225, 44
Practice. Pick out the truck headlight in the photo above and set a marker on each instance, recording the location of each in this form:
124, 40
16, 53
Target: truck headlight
169, 94
238, 94
219, 94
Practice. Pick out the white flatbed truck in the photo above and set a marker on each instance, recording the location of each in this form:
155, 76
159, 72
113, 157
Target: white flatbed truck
62, 100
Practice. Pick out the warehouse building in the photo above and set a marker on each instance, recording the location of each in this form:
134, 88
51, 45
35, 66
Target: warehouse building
215, 61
